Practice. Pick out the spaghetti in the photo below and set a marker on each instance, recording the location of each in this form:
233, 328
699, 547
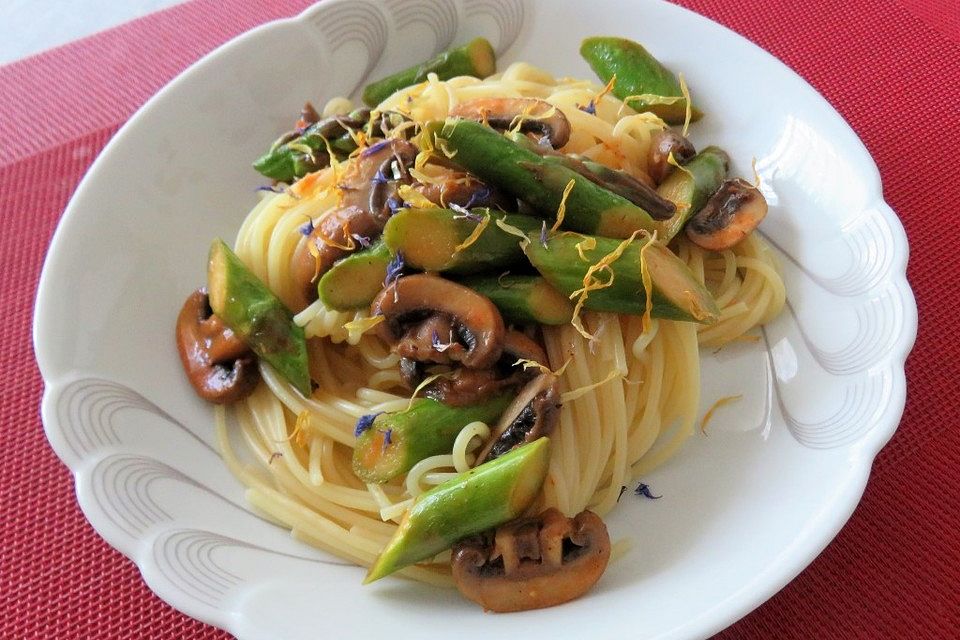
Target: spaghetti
631, 395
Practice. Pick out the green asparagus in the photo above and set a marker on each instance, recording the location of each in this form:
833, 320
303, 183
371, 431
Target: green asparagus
676, 295
294, 156
356, 280
482, 498
617, 181
690, 187
394, 442
473, 59
257, 316
524, 299
495, 159
428, 239
638, 74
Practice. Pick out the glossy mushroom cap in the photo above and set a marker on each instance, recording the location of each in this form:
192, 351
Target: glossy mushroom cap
220, 366
476, 325
728, 217
662, 144
367, 188
533, 563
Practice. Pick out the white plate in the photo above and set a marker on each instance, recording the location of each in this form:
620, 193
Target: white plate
743, 510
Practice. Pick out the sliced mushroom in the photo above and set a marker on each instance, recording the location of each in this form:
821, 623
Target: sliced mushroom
433, 340
532, 414
532, 563
463, 190
308, 115
372, 180
378, 171
627, 186
465, 387
337, 125
476, 323
220, 366
662, 144
728, 216
532, 114
328, 242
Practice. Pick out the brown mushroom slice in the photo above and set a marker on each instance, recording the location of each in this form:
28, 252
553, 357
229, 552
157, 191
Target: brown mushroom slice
367, 188
532, 414
308, 115
662, 144
728, 216
520, 346
329, 241
476, 321
532, 114
220, 366
533, 563
465, 387
433, 340
456, 188
375, 175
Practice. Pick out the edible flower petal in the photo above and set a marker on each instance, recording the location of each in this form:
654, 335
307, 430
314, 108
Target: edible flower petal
364, 423
644, 490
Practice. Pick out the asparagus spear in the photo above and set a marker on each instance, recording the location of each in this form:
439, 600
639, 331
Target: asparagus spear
356, 280
257, 316
394, 442
484, 497
619, 182
690, 188
475, 58
676, 295
638, 73
495, 159
428, 239
294, 156
524, 299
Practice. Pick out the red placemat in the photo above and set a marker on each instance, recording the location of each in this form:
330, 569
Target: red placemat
892, 69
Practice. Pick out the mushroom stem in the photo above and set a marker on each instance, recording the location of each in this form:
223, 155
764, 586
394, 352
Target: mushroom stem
533, 563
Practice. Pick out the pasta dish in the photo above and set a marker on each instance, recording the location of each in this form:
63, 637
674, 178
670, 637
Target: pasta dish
461, 319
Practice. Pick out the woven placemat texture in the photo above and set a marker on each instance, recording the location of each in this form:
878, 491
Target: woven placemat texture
890, 67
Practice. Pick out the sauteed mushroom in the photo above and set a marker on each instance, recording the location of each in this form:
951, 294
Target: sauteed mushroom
532, 563
535, 116
464, 190
221, 367
533, 413
364, 210
465, 387
329, 240
411, 301
308, 115
662, 144
728, 216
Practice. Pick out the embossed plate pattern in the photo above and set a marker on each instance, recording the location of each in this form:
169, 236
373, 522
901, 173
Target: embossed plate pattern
743, 510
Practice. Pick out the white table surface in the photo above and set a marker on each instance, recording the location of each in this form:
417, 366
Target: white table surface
31, 26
